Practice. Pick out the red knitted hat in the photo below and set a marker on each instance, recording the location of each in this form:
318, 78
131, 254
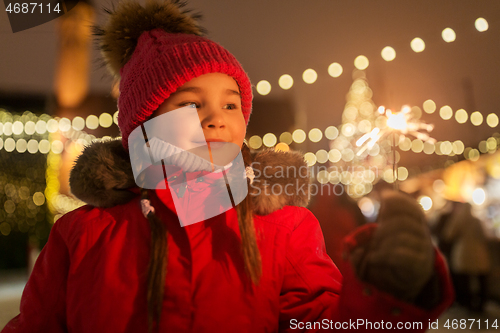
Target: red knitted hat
168, 51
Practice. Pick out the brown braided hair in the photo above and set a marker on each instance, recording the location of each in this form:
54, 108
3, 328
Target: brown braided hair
157, 267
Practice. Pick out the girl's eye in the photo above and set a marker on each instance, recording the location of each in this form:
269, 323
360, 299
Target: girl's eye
230, 106
190, 104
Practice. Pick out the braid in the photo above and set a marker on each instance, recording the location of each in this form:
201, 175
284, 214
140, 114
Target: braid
157, 267
244, 210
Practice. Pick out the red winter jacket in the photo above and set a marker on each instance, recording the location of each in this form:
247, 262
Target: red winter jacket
91, 275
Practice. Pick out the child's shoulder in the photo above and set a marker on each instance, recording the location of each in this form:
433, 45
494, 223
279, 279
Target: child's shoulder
90, 218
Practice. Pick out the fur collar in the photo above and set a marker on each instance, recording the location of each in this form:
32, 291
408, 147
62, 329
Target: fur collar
102, 177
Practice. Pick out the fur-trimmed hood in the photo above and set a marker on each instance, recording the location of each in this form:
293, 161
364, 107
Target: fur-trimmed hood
103, 177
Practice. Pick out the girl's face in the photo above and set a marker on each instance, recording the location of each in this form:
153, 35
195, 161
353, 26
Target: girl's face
217, 100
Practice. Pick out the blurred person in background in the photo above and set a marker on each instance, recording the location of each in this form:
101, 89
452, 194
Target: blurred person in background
469, 257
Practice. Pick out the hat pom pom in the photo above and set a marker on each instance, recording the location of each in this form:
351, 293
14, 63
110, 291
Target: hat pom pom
118, 37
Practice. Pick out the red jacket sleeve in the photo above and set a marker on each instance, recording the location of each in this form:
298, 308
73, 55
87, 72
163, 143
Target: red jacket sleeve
43, 301
315, 297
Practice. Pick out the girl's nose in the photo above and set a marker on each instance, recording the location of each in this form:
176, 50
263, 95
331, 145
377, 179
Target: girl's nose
213, 119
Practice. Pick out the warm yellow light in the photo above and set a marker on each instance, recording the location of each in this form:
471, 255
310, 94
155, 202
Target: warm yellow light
115, 117
255, 142
322, 177
405, 144
282, 147
9, 145
389, 175
335, 69
21, 145
269, 140
286, 137
478, 196
483, 148
32, 146
347, 155
78, 123
285, 82
44, 146
57, 147
40, 127
472, 154
367, 207
105, 120
331, 132
309, 76
438, 186
491, 143
446, 147
458, 147
429, 148
417, 45
310, 159
299, 136
365, 126
429, 106
397, 121
263, 87
461, 116
334, 155
446, 112
481, 24
92, 122
425, 202
348, 129
361, 62
417, 145
402, 173
322, 156
476, 118
388, 53
448, 35
29, 128
315, 135
492, 120
350, 113
366, 108
17, 127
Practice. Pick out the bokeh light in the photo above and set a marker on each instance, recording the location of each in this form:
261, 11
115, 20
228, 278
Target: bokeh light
417, 45
461, 116
78, 123
479, 196
309, 76
255, 142
476, 118
361, 62
429, 106
269, 140
92, 122
105, 120
263, 87
446, 112
334, 155
286, 137
425, 202
315, 135
282, 147
492, 120
481, 24
331, 132
310, 158
449, 35
388, 53
322, 156
285, 81
335, 69
299, 136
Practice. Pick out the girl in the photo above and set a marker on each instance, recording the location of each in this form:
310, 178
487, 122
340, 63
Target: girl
123, 263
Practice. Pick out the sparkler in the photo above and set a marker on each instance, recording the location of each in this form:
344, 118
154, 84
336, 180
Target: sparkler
402, 123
